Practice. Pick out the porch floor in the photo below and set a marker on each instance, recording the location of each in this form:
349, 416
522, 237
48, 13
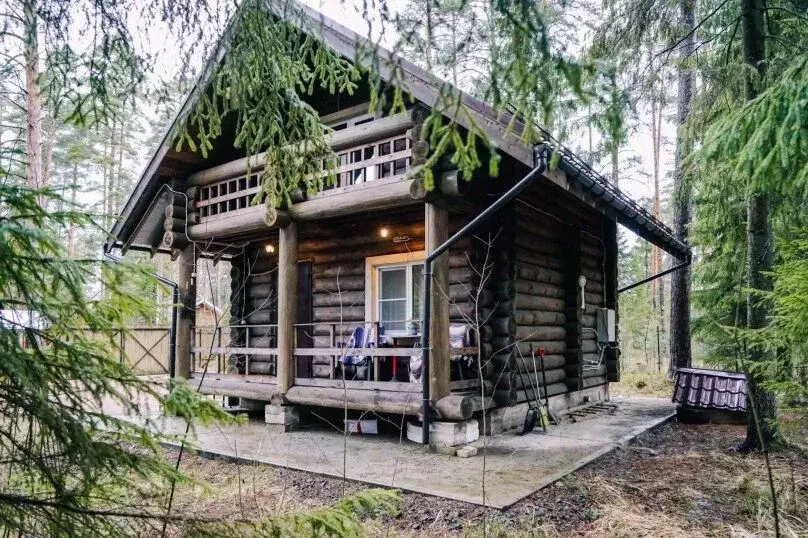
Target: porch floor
516, 466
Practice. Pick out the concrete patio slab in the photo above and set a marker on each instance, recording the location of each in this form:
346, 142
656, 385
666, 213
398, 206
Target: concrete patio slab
515, 466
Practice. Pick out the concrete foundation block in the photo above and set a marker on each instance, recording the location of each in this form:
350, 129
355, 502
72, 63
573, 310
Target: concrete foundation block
446, 433
466, 451
281, 417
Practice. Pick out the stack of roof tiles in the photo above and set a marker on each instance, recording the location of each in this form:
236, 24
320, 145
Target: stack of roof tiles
710, 389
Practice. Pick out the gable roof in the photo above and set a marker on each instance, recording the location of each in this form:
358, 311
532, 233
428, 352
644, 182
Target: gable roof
575, 175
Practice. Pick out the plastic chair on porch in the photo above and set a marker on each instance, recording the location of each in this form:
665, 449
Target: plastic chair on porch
361, 338
460, 337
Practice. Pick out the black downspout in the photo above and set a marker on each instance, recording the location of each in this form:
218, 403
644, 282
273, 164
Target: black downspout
654, 277
540, 152
175, 300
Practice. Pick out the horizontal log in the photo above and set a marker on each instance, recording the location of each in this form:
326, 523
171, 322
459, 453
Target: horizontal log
340, 270
345, 298
343, 237
247, 220
550, 347
539, 334
540, 259
263, 341
594, 382
529, 363
261, 316
276, 217
339, 284
529, 394
504, 308
341, 255
534, 302
262, 367
528, 287
455, 407
504, 289
213, 385
266, 277
466, 293
530, 244
463, 275
505, 397
592, 276
536, 273
530, 380
407, 403
469, 313
538, 318
176, 211
596, 251
174, 240
337, 314
594, 299
502, 326
260, 291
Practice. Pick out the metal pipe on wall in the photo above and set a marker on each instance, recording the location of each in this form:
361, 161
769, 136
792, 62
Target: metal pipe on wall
540, 155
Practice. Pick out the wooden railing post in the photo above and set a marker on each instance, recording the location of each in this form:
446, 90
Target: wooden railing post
187, 311
437, 232
287, 305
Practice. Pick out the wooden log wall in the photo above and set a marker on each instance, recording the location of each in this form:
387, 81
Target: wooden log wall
593, 267
556, 239
478, 268
253, 287
337, 251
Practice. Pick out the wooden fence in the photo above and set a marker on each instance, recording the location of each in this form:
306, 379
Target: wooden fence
146, 349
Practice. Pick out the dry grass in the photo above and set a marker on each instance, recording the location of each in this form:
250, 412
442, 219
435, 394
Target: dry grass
692, 487
643, 384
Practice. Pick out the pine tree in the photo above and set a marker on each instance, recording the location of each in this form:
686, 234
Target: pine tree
680, 345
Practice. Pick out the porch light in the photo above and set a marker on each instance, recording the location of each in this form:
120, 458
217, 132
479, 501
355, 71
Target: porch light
270, 248
384, 233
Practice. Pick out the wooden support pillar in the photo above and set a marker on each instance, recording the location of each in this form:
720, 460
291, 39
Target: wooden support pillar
437, 232
611, 355
186, 317
287, 305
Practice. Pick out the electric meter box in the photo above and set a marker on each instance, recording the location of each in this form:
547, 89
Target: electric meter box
606, 325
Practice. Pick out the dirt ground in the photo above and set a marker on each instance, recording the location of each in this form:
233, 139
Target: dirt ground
679, 480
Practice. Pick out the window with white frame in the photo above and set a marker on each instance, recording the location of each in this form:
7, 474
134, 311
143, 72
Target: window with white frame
395, 283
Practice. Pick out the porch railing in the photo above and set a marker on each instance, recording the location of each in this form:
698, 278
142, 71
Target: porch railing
218, 348
322, 354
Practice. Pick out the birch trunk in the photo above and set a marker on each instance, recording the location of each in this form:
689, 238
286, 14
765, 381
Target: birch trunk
33, 108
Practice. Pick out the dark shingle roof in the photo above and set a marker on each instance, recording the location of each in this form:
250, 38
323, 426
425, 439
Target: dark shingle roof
710, 389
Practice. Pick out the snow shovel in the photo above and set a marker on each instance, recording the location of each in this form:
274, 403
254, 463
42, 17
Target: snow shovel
532, 415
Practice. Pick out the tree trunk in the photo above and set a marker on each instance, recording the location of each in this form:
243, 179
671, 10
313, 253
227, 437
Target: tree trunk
615, 166
680, 351
759, 245
33, 108
71, 231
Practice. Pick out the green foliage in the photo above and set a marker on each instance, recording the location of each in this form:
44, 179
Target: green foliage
262, 80
343, 519
68, 460
764, 144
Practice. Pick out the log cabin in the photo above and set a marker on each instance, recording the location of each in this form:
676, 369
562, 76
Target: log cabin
327, 293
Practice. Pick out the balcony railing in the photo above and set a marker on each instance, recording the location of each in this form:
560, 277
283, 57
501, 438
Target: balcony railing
377, 149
